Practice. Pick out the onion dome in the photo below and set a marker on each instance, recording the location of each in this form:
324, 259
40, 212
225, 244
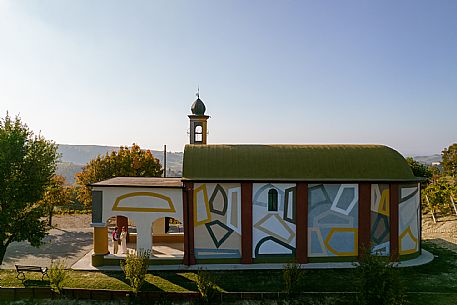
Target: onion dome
198, 108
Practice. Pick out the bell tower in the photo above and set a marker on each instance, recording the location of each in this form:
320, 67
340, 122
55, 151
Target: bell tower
198, 122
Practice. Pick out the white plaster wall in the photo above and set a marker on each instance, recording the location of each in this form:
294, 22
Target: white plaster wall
142, 219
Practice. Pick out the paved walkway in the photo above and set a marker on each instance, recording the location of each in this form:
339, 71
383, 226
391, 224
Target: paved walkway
85, 264
69, 245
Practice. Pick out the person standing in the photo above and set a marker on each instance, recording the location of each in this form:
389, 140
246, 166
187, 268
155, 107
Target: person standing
123, 239
115, 239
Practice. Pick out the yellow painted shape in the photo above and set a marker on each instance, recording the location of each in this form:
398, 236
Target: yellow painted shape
101, 240
384, 203
337, 253
201, 188
413, 238
170, 209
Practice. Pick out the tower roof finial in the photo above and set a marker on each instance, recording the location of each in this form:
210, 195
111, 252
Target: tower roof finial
198, 91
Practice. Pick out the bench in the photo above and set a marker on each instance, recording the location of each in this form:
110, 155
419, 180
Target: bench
20, 269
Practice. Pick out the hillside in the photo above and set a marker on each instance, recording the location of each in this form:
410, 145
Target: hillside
74, 157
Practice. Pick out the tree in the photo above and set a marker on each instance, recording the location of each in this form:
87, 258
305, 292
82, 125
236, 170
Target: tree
420, 170
27, 164
133, 162
57, 193
450, 160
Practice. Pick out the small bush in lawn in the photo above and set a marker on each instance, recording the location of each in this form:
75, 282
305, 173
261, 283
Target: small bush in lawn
206, 286
292, 274
378, 281
57, 274
135, 268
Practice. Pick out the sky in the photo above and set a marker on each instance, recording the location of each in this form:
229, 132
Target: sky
298, 72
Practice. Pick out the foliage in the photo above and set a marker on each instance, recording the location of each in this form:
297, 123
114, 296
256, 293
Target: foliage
133, 162
206, 287
450, 160
27, 165
58, 193
57, 275
292, 274
378, 281
135, 268
439, 194
420, 169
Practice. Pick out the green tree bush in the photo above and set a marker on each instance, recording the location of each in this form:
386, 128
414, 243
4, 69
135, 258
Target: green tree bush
378, 281
449, 156
292, 274
27, 165
57, 275
206, 287
135, 268
133, 162
57, 194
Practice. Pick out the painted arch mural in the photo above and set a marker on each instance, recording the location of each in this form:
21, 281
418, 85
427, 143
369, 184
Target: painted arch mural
333, 220
217, 220
273, 219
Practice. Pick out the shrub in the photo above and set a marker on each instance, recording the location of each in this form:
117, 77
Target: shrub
292, 274
57, 274
378, 281
135, 268
206, 287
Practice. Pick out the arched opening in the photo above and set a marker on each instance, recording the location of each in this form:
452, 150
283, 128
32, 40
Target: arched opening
198, 133
168, 238
121, 243
272, 200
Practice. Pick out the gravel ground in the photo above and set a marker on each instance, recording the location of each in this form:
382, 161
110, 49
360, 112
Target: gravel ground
69, 241
443, 232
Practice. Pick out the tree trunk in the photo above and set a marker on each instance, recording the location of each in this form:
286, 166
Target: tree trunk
2, 251
51, 210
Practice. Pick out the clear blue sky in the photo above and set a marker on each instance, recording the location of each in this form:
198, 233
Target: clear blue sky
118, 72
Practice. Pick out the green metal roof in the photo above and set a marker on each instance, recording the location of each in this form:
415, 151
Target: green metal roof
295, 163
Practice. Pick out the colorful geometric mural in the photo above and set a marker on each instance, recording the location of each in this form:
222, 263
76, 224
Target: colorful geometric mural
217, 220
273, 230
409, 217
380, 222
333, 220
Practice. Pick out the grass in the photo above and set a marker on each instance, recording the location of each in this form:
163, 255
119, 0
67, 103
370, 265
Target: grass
436, 281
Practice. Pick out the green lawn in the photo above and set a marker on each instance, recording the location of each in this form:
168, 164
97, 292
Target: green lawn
436, 282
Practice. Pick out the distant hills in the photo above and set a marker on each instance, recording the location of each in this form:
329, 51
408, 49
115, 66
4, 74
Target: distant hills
428, 159
74, 157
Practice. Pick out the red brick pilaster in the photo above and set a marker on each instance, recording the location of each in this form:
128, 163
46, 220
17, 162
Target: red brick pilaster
364, 217
301, 222
246, 223
188, 215
393, 208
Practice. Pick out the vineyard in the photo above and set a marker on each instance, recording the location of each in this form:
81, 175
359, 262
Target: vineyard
439, 191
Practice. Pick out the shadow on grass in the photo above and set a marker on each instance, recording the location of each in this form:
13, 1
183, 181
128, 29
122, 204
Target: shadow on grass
36, 283
178, 280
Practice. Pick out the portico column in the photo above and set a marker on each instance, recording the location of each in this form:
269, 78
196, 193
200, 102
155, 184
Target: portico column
100, 243
144, 237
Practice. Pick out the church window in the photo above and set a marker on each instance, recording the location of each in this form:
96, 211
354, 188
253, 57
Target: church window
273, 200
198, 134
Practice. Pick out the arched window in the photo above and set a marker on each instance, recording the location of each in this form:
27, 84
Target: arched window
273, 200
198, 134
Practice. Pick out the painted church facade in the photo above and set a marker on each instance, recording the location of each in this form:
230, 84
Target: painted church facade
247, 204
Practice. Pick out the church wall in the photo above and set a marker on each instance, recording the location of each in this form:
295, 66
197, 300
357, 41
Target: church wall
142, 205
380, 219
332, 220
409, 219
273, 231
217, 220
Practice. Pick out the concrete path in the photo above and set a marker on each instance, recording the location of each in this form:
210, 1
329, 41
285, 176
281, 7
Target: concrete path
66, 244
85, 264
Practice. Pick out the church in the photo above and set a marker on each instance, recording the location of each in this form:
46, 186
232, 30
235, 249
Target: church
248, 204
